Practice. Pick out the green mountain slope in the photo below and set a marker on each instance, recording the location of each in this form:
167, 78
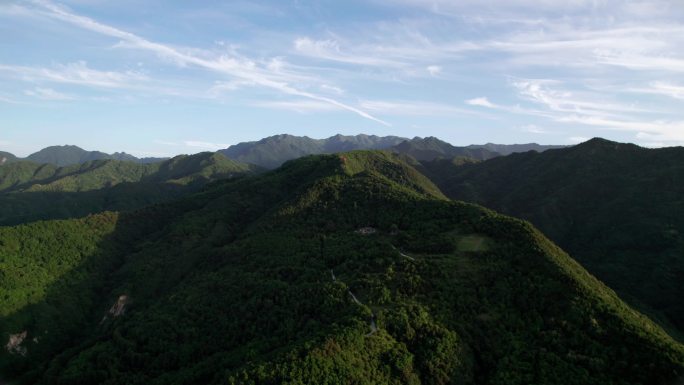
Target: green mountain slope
30, 191
348, 268
615, 207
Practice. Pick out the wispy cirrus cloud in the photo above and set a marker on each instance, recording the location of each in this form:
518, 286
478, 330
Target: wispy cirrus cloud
241, 68
195, 144
48, 94
415, 108
672, 90
564, 106
5, 99
299, 106
330, 50
74, 73
208, 146
480, 101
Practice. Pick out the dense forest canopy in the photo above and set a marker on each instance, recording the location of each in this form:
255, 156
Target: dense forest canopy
614, 207
349, 268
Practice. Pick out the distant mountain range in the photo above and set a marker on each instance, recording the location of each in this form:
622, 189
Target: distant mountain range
273, 151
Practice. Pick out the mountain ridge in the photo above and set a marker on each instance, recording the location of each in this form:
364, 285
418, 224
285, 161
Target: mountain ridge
272, 151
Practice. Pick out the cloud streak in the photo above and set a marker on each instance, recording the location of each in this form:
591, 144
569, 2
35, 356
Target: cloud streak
76, 73
48, 94
562, 106
236, 67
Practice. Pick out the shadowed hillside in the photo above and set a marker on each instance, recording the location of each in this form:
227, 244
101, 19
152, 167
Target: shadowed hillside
615, 207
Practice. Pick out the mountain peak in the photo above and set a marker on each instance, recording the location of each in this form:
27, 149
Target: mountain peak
597, 144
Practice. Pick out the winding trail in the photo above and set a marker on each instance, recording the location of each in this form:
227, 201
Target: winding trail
403, 255
373, 326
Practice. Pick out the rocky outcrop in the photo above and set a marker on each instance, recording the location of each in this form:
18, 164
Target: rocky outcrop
14, 343
119, 307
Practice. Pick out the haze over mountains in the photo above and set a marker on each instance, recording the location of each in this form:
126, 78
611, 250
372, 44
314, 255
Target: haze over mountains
273, 151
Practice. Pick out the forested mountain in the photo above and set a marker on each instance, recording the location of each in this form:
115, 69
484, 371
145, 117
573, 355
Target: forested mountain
614, 207
70, 155
6, 158
273, 151
507, 149
349, 268
432, 148
31, 191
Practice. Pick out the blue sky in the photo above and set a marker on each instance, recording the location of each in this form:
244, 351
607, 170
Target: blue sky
157, 78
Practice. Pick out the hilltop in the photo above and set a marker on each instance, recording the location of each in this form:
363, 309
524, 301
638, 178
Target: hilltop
6, 158
333, 268
68, 155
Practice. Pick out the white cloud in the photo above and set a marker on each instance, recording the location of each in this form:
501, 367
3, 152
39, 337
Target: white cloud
220, 87
540, 91
47, 94
5, 99
662, 88
333, 89
577, 139
481, 102
237, 67
434, 70
166, 142
208, 146
417, 108
300, 106
330, 50
534, 129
